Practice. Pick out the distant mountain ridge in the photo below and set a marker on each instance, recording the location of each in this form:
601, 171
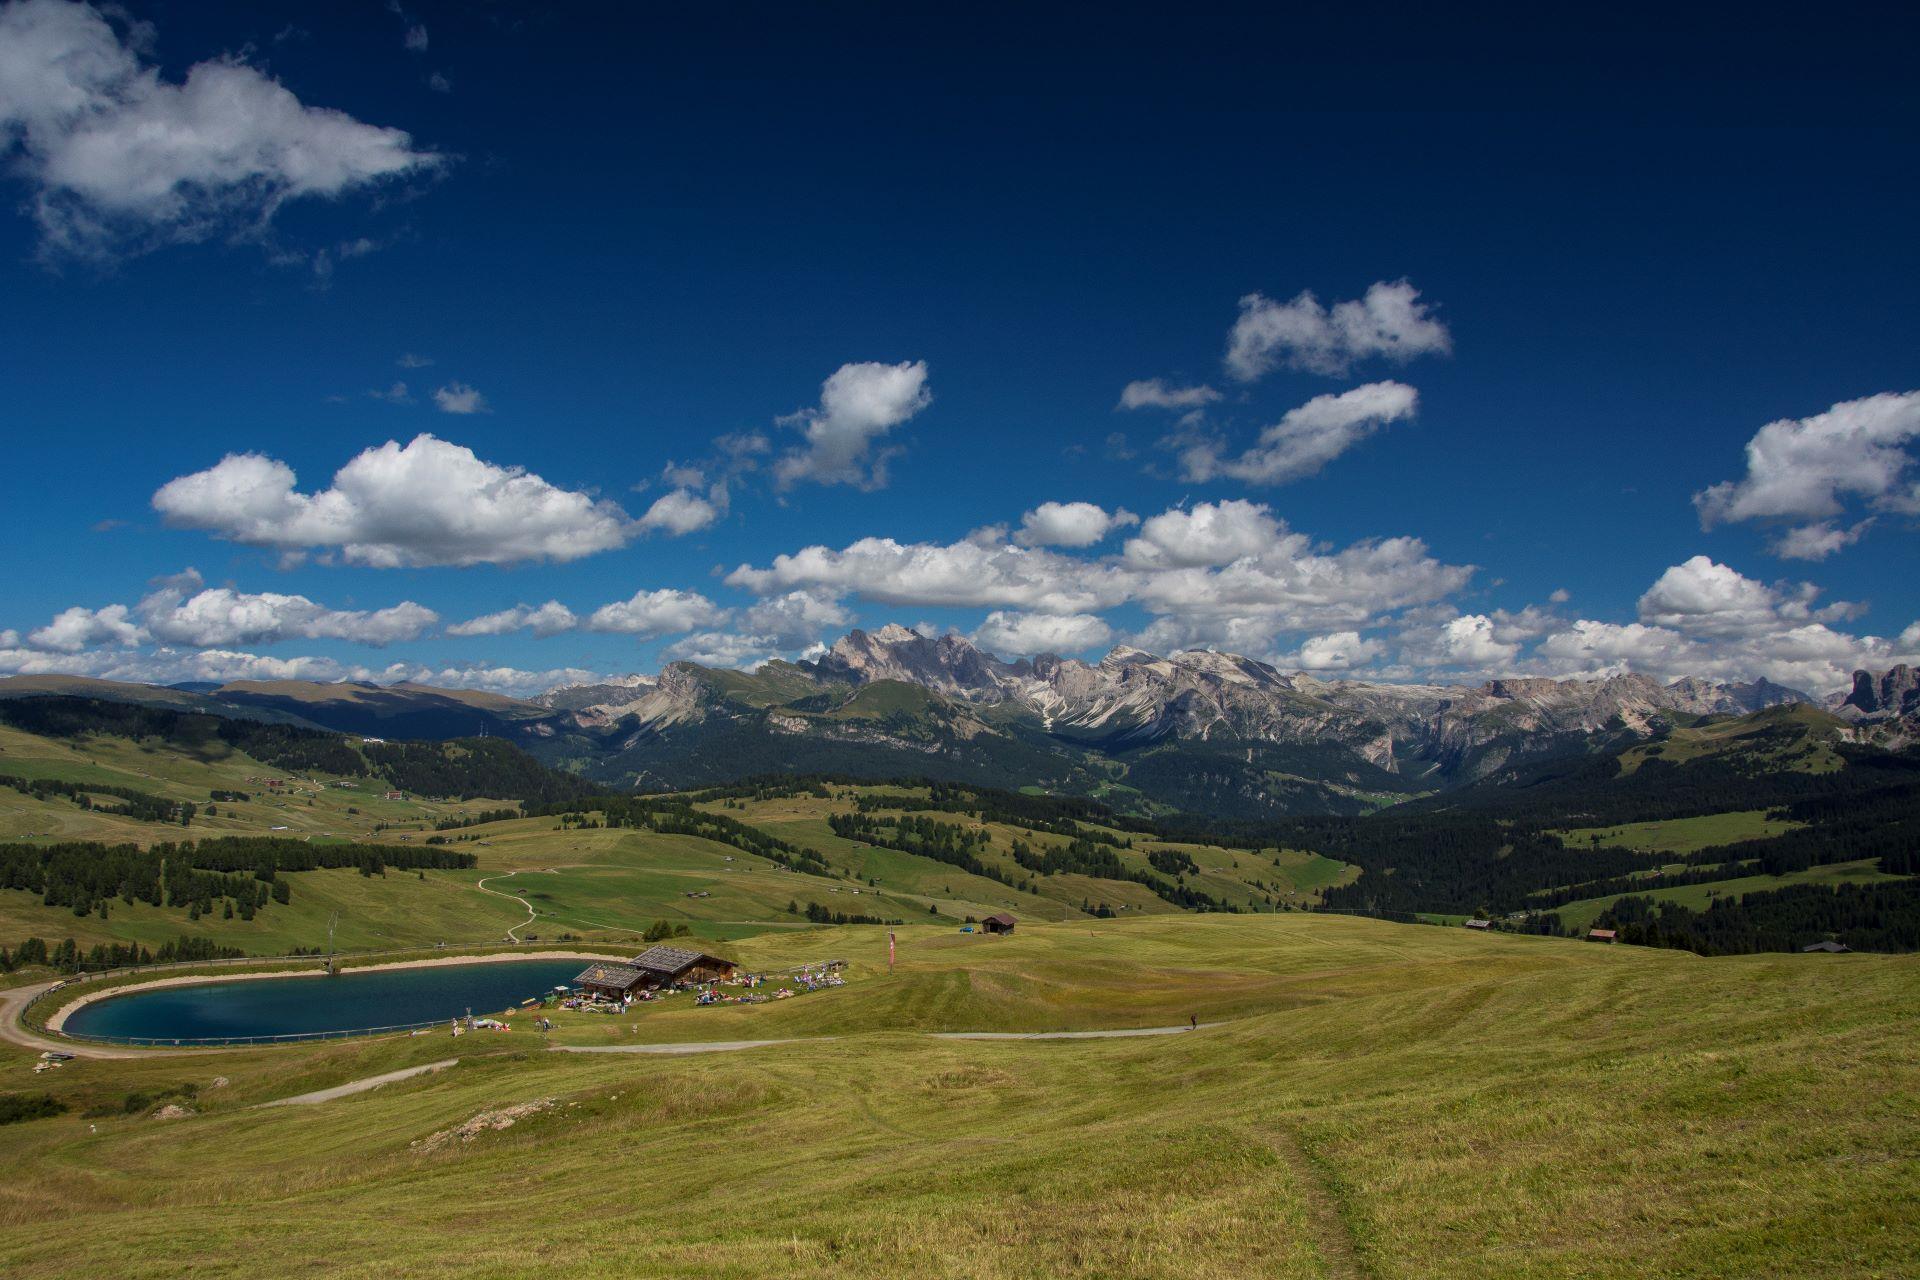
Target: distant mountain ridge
1196, 729
1196, 723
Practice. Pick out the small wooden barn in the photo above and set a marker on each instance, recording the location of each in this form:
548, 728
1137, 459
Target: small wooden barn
1828, 945
1607, 936
1479, 924
1001, 923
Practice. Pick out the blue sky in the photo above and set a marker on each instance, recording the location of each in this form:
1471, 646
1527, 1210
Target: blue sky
876, 285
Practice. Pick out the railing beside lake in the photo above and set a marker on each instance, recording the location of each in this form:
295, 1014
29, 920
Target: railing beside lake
189, 1042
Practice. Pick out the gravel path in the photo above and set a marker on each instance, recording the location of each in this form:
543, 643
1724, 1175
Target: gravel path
1065, 1035
359, 1086
689, 1046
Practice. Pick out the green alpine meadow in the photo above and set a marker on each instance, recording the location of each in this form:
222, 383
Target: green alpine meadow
845, 642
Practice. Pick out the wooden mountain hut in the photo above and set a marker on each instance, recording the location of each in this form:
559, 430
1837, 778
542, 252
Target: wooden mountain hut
667, 965
999, 924
613, 981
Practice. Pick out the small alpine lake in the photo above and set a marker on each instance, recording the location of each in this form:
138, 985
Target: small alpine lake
258, 1008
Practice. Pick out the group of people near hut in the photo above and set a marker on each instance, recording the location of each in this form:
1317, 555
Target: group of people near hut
661, 970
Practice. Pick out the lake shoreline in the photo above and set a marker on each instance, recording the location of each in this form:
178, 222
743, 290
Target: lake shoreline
58, 1019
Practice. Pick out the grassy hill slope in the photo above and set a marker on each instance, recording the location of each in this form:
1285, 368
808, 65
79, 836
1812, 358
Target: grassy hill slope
1389, 1101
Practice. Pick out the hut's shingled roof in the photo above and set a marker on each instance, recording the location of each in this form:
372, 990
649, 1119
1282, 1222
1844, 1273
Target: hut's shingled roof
672, 960
609, 975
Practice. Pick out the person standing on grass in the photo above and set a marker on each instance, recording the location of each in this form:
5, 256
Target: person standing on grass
1193, 1022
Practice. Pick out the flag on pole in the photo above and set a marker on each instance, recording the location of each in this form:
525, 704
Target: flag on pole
889, 951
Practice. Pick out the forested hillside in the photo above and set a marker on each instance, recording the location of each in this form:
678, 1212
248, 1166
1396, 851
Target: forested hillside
460, 768
1506, 849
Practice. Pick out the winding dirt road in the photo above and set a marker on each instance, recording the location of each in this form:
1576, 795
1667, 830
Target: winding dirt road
513, 934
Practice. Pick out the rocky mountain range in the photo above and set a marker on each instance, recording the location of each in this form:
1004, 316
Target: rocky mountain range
1886, 705
1190, 724
1196, 729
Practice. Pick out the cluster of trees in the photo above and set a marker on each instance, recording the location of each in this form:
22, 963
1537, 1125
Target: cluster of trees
1085, 857
776, 786
1173, 862
469, 768
1866, 917
86, 876
950, 842
1054, 815
477, 819
234, 874
136, 804
960, 846
820, 915
67, 957
674, 815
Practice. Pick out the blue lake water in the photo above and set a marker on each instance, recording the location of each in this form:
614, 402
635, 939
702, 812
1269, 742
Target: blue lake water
305, 1006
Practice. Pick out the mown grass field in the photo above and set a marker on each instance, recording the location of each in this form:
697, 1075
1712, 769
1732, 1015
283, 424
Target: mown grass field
1383, 1100
1683, 835
1806, 745
1582, 914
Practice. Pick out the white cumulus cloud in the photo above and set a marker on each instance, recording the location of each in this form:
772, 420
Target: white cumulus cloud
859, 404
667, 611
458, 397
1156, 393
1389, 322
1070, 524
1807, 470
1702, 597
548, 619
120, 159
220, 617
680, 512
429, 503
1339, 651
1307, 438
959, 574
1025, 634
1208, 533
1227, 574
80, 628
1819, 540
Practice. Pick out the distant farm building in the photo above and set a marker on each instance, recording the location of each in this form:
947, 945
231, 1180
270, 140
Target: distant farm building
1479, 924
1002, 923
1607, 936
1828, 945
